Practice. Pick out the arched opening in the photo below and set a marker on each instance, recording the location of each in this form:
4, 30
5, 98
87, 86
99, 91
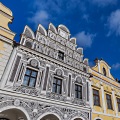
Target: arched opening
12, 114
104, 72
50, 117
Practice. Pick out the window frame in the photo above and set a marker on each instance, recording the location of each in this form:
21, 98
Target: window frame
96, 95
110, 102
61, 55
81, 91
56, 85
32, 69
118, 102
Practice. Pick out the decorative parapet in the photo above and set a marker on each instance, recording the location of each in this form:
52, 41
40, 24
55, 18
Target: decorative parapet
6, 17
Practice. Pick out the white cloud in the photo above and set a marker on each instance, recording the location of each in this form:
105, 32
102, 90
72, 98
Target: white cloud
103, 3
116, 66
114, 22
85, 39
40, 17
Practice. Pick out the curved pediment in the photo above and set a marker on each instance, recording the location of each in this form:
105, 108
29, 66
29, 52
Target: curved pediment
103, 68
28, 32
42, 30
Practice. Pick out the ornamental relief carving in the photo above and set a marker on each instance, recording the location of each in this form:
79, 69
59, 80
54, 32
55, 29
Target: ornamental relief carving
52, 35
34, 63
35, 109
27, 90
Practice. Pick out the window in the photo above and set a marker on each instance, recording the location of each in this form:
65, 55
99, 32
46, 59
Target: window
30, 78
109, 102
118, 101
96, 97
57, 86
104, 71
78, 91
61, 55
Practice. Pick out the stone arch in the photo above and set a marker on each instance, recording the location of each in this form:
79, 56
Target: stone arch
47, 114
50, 111
14, 108
78, 118
28, 32
81, 115
42, 30
98, 118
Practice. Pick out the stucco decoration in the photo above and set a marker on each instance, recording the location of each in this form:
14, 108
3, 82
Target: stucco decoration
28, 32
36, 109
64, 28
42, 30
79, 80
52, 28
73, 40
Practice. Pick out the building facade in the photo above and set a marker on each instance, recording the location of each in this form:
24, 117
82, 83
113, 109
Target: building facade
44, 77
105, 92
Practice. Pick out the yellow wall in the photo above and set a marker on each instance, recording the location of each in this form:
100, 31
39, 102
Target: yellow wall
109, 85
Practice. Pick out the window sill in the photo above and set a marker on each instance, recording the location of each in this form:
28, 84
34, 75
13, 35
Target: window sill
27, 87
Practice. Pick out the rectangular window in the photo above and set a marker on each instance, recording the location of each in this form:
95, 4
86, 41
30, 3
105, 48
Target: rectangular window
61, 55
118, 102
30, 78
78, 91
96, 97
109, 102
57, 86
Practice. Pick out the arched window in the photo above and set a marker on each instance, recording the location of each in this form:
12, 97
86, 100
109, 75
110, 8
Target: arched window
104, 71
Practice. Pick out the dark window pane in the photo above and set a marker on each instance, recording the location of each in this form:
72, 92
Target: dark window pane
76, 87
104, 71
96, 97
109, 102
34, 74
32, 82
61, 55
118, 101
26, 80
28, 71
59, 89
79, 88
78, 91
54, 81
59, 82
54, 88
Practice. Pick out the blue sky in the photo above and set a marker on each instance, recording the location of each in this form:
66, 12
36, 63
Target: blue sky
95, 24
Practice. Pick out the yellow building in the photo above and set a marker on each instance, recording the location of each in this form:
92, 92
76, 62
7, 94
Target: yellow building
6, 38
104, 93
